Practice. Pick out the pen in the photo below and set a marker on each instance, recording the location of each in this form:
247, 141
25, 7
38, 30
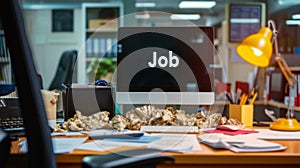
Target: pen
252, 92
253, 98
233, 97
238, 95
229, 97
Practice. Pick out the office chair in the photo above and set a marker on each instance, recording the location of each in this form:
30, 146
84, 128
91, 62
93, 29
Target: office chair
40, 152
64, 71
136, 158
40, 149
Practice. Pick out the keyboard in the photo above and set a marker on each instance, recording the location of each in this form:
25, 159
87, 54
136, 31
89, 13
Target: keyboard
12, 124
11, 119
171, 129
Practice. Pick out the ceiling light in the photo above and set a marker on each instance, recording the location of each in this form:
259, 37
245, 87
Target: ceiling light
197, 4
296, 16
142, 16
246, 20
287, 2
292, 22
185, 17
145, 4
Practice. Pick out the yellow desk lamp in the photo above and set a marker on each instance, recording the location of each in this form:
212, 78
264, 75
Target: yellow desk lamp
257, 50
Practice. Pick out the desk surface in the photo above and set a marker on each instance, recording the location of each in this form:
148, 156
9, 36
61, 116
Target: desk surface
208, 157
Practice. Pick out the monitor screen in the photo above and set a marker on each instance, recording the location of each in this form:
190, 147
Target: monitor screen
165, 65
244, 19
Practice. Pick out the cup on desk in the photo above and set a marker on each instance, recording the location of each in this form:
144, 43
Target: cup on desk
243, 113
50, 99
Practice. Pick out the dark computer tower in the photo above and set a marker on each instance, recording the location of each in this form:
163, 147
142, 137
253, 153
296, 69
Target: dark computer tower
87, 100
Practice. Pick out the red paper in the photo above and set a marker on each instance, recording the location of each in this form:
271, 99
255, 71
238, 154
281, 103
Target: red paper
237, 132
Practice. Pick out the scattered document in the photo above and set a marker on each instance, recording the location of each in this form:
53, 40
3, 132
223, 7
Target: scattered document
60, 145
239, 143
176, 143
65, 145
142, 139
104, 145
164, 142
268, 134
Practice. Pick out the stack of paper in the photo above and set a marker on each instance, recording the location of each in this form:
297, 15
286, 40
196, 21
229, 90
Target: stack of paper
239, 143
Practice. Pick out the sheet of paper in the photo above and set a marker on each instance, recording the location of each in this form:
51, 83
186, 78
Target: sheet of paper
239, 143
95, 146
239, 150
142, 139
268, 134
60, 145
251, 143
103, 145
176, 143
65, 133
64, 145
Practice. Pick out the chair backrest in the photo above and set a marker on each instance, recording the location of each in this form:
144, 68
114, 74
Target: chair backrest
40, 149
64, 71
135, 158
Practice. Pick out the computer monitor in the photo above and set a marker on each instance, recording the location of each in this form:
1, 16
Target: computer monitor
243, 19
165, 65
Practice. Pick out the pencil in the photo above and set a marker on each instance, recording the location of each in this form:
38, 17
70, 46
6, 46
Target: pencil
253, 98
245, 99
242, 99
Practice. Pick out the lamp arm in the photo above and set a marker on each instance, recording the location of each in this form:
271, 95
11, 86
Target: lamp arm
285, 70
280, 60
289, 78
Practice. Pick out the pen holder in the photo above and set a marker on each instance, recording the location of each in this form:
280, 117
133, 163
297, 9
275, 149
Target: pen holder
243, 113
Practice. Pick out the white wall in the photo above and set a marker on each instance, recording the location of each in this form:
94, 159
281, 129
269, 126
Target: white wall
47, 47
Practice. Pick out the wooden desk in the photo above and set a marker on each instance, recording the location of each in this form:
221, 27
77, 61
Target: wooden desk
207, 158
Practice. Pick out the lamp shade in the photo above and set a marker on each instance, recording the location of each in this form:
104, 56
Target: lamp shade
257, 48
